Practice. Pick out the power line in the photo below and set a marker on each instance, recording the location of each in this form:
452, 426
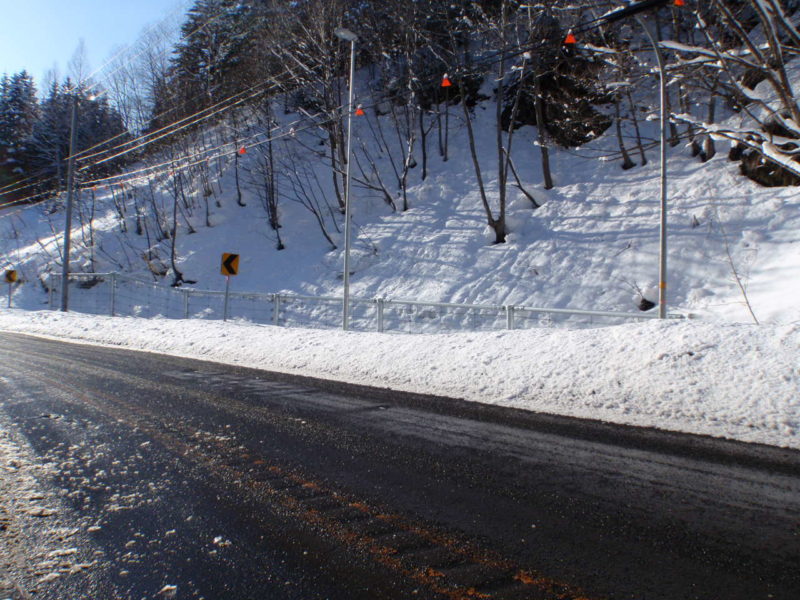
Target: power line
486, 60
78, 86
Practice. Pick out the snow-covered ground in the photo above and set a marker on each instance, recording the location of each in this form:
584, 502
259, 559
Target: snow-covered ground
592, 245
42, 540
736, 381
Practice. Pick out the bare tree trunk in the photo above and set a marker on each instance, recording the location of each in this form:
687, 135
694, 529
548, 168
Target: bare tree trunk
541, 134
272, 195
502, 168
177, 276
709, 149
235, 125
423, 140
445, 147
499, 232
627, 163
635, 118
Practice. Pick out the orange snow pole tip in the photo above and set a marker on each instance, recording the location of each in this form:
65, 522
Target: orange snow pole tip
242, 150
680, 3
446, 81
359, 111
570, 39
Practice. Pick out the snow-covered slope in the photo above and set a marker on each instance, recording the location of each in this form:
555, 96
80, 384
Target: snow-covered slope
593, 245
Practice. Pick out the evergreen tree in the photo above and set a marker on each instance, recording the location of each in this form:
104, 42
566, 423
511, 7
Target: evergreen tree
19, 110
97, 121
207, 62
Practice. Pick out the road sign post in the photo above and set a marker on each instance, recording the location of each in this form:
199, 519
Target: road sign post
229, 266
11, 279
227, 293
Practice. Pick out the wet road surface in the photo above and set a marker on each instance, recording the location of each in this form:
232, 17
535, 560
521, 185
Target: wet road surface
163, 477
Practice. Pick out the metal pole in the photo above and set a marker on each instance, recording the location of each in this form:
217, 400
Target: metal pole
510, 317
227, 291
276, 309
113, 294
347, 228
9, 295
662, 251
380, 304
68, 219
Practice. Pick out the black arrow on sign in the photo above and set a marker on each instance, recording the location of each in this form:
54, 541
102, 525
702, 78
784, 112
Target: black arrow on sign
229, 264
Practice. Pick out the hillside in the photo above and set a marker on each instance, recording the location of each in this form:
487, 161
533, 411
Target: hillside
264, 181
592, 245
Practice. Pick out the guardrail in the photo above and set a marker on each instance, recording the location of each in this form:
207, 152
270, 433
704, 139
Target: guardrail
116, 294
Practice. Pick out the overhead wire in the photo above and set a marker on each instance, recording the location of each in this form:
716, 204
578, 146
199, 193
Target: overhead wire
170, 165
173, 128
171, 168
16, 186
129, 48
271, 80
184, 36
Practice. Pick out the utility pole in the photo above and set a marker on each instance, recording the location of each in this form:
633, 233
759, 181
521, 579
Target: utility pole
348, 36
662, 251
70, 189
634, 10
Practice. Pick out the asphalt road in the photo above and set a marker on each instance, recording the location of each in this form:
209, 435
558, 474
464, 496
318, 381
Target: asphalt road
160, 477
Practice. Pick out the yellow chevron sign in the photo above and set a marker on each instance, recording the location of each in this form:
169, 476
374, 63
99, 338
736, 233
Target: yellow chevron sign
11, 276
230, 264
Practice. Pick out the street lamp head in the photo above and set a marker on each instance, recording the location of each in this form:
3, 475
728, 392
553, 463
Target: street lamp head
345, 34
92, 96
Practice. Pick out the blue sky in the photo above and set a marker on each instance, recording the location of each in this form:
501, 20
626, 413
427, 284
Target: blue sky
39, 34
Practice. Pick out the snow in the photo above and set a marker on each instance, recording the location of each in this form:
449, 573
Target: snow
40, 538
737, 381
168, 591
592, 245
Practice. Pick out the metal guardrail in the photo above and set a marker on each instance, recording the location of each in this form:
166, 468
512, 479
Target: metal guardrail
117, 294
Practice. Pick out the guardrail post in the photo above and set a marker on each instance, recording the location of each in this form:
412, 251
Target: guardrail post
185, 303
510, 317
276, 308
379, 304
113, 294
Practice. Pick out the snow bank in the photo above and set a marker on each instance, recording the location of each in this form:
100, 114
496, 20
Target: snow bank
736, 381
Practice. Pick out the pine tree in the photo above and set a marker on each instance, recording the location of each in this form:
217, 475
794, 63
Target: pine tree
48, 145
207, 60
19, 111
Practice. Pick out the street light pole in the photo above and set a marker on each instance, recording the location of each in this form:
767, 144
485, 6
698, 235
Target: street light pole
68, 219
662, 250
348, 36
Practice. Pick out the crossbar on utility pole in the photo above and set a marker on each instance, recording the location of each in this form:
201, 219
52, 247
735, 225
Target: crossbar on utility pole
68, 218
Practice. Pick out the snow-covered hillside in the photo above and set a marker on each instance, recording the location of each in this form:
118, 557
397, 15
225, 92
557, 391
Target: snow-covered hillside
593, 245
